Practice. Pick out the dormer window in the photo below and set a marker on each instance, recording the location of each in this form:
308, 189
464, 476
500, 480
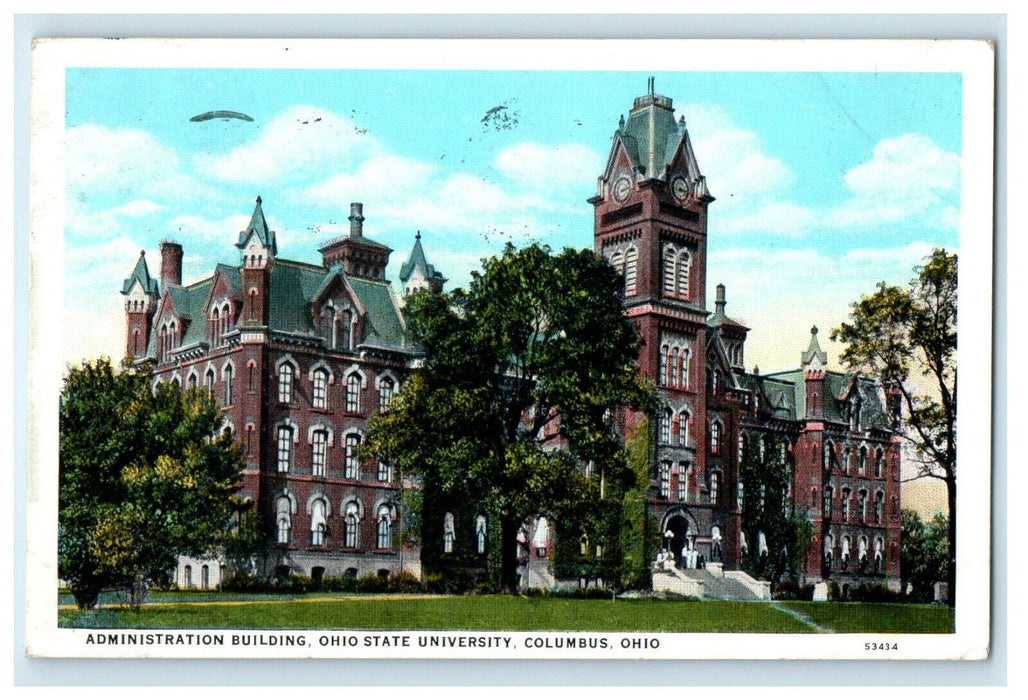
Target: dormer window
853, 411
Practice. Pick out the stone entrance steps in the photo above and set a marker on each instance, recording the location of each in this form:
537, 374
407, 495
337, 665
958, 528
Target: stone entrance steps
711, 583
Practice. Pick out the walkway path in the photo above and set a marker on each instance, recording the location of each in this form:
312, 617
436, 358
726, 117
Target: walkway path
799, 616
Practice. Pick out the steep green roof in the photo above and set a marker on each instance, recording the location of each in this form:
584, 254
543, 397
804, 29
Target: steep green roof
258, 225
836, 384
417, 260
384, 326
140, 273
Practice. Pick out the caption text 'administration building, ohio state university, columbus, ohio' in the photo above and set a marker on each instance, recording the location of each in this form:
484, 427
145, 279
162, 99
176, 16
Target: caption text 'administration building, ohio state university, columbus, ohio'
301, 355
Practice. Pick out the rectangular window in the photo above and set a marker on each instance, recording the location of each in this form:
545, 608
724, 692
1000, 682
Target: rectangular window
353, 393
285, 448
385, 393
384, 470
228, 386
683, 482
665, 479
319, 451
353, 443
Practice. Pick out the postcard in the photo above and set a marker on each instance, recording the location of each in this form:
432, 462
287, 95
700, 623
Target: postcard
510, 349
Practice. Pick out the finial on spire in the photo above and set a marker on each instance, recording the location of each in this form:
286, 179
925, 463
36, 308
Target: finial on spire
417, 236
258, 199
621, 122
813, 330
142, 253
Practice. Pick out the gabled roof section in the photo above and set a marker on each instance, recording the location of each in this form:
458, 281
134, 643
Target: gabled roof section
258, 226
814, 355
140, 273
337, 278
228, 276
778, 396
416, 260
383, 324
716, 350
188, 304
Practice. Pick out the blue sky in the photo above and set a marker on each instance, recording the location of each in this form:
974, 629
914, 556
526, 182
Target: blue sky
825, 182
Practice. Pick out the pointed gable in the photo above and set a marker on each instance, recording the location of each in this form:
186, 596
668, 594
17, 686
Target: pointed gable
417, 266
140, 274
258, 227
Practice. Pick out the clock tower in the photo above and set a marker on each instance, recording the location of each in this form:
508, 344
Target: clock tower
651, 224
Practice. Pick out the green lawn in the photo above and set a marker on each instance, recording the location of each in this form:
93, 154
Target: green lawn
503, 613
877, 617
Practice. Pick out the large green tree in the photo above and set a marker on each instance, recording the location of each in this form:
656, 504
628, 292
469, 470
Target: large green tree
907, 336
924, 553
520, 378
145, 476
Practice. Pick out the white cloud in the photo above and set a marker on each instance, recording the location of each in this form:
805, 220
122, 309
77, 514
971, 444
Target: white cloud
301, 138
536, 166
907, 177
781, 218
122, 162
139, 207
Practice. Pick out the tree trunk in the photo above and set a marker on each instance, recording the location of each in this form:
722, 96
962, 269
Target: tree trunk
951, 496
508, 553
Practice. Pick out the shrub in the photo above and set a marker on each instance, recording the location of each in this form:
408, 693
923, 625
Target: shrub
404, 582
371, 583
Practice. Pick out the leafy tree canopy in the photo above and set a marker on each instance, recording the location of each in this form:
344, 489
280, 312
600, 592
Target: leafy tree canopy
520, 375
905, 333
923, 553
143, 479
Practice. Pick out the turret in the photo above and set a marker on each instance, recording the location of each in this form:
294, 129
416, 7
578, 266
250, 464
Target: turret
813, 361
416, 273
140, 292
358, 256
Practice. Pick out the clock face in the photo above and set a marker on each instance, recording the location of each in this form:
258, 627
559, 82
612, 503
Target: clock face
621, 188
680, 187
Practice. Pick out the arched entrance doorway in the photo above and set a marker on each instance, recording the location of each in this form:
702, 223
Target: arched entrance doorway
676, 534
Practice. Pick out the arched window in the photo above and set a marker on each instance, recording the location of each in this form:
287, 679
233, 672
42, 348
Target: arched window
845, 505
191, 382
682, 285
343, 330
829, 553
665, 479
353, 393
188, 576
226, 317
846, 460
664, 371
863, 460
319, 396
449, 533
285, 383
715, 437
879, 554
319, 525
631, 262
205, 576
385, 528
283, 509
829, 460
319, 452
352, 524
684, 469
739, 494
879, 505
215, 327
251, 376
665, 427
209, 382
863, 505
845, 553
829, 497
683, 428
228, 385
669, 270
285, 448
350, 460
386, 387
862, 550
716, 382
878, 463
715, 478
162, 349
683, 368
481, 533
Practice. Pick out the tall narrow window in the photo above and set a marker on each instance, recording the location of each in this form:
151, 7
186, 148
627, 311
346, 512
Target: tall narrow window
683, 428
863, 505
683, 274
283, 508
665, 479
285, 448
845, 505
353, 393
683, 368
878, 463
352, 524
740, 494
318, 523
683, 481
350, 464
215, 328
879, 504
344, 325
715, 437
385, 528
228, 385
386, 386
285, 383
251, 377
665, 427
319, 452
664, 371
863, 460
209, 383
715, 478
631, 261
669, 270
829, 497
205, 576
385, 470
188, 576
191, 382
319, 396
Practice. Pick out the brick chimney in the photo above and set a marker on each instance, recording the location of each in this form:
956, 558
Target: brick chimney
356, 220
171, 263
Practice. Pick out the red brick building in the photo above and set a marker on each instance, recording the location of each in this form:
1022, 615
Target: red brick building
299, 356
831, 430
